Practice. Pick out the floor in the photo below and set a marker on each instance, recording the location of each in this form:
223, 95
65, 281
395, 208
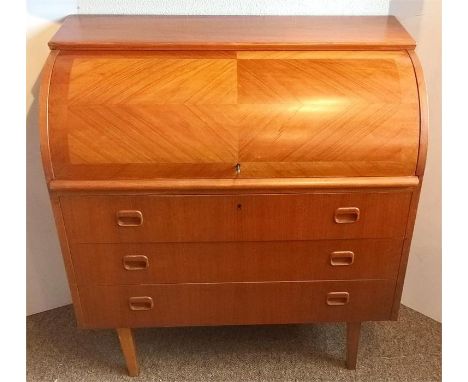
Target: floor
406, 350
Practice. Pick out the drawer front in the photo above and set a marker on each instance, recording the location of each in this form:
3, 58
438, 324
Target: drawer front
235, 303
153, 263
114, 219
94, 219
324, 216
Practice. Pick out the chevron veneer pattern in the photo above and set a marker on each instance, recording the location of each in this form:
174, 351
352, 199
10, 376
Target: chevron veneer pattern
188, 114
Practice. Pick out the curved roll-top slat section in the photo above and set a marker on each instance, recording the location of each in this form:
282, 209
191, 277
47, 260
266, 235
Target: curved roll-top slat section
286, 114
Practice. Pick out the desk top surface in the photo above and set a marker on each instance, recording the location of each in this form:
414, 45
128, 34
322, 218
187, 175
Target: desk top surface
117, 32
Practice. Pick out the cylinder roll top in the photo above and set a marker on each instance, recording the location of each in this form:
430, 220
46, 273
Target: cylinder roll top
232, 114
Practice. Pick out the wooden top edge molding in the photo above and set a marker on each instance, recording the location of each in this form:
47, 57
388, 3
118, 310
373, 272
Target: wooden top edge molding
234, 184
119, 32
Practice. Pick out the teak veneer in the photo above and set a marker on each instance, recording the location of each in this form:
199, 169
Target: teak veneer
228, 170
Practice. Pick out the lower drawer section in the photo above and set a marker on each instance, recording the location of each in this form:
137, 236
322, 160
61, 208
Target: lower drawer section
236, 303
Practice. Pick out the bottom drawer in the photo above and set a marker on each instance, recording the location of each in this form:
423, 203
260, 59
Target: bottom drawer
235, 303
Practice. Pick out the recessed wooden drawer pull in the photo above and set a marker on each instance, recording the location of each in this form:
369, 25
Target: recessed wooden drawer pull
129, 218
339, 258
344, 215
140, 303
337, 298
135, 262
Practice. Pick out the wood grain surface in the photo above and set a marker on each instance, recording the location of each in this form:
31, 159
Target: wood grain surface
353, 332
236, 303
148, 115
106, 32
103, 264
424, 114
67, 258
213, 186
127, 343
92, 219
46, 75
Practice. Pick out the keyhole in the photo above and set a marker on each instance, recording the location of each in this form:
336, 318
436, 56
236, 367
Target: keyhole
237, 168
239, 206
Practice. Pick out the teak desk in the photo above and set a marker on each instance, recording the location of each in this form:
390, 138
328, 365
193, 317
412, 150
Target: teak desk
233, 170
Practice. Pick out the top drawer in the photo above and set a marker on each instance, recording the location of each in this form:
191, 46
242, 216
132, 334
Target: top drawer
114, 219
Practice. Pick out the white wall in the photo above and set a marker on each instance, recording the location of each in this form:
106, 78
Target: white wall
47, 287
239, 7
423, 283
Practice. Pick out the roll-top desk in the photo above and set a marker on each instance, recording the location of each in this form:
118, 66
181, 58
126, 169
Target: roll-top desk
233, 170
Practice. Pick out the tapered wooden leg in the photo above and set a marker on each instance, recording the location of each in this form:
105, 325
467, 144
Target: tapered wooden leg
129, 351
353, 331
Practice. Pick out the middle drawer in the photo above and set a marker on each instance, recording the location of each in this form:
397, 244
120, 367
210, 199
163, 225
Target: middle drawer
112, 264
